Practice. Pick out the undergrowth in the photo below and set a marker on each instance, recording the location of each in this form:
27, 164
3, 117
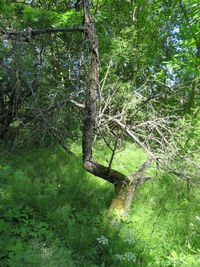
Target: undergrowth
53, 213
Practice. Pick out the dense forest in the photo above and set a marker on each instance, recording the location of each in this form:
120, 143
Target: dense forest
99, 133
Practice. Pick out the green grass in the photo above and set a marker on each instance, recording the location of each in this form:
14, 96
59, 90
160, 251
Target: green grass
53, 213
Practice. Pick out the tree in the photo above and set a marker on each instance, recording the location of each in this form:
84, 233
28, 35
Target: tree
146, 108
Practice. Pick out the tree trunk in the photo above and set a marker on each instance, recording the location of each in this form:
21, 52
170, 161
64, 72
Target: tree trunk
124, 193
125, 186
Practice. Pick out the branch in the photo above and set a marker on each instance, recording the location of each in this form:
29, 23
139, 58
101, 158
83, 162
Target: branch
77, 104
114, 177
34, 32
95, 13
61, 142
138, 177
113, 154
129, 132
78, 5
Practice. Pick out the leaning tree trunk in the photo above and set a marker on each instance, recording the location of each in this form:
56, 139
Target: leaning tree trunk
125, 186
124, 193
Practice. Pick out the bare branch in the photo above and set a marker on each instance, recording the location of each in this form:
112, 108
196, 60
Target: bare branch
77, 104
33, 32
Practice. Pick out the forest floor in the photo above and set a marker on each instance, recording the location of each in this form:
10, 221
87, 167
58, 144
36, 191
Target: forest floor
53, 213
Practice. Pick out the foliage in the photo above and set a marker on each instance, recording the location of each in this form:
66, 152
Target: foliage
53, 213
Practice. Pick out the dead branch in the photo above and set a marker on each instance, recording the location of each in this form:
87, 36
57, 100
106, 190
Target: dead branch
26, 34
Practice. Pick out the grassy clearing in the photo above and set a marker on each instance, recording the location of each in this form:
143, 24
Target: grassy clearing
53, 213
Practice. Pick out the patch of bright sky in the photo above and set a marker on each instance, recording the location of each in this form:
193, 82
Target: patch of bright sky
176, 29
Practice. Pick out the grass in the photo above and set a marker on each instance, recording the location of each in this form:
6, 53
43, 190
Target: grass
53, 213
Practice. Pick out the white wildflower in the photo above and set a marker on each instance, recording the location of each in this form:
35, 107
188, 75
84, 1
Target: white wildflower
129, 237
102, 240
130, 256
119, 257
197, 218
127, 256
